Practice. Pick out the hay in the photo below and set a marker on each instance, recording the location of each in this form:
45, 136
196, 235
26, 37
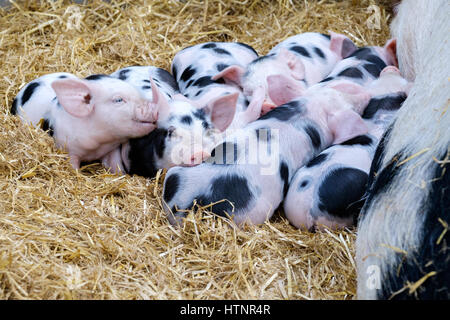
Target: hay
91, 235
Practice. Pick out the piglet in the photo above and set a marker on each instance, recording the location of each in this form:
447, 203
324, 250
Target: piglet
248, 174
140, 77
301, 61
88, 117
361, 67
328, 191
185, 135
195, 68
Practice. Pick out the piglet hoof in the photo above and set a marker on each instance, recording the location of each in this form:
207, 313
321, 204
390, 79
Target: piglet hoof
75, 162
176, 218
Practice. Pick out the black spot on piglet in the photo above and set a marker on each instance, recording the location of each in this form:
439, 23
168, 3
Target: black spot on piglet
171, 187
284, 175
317, 160
376, 61
166, 77
221, 66
29, 90
319, 52
209, 45
144, 152
341, 190
285, 111
391, 102
313, 135
301, 50
363, 140
233, 188
222, 51
372, 69
351, 73
47, 127
186, 120
199, 114
14, 107
187, 73
203, 82
123, 74
348, 47
385, 176
95, 77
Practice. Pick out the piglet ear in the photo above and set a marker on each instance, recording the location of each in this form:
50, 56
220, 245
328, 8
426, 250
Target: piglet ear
159, 102
254, 108
282, 89
293, 62
222, 110
75, 96
346, 124
232, 74
391, 52
341, 45
357, 95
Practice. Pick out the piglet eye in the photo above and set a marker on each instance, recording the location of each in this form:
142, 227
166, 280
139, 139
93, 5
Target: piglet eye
118, 100
170, 131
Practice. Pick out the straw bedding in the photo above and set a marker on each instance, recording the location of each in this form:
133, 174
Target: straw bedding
87, 234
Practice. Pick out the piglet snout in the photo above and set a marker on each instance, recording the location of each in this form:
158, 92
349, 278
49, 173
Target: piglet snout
195, 159
146, 113
198, 157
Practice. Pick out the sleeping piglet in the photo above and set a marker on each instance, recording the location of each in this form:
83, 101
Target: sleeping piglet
301, 61
87, 117
248, 174
194, 68
186, 130
328, 191
361, 67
